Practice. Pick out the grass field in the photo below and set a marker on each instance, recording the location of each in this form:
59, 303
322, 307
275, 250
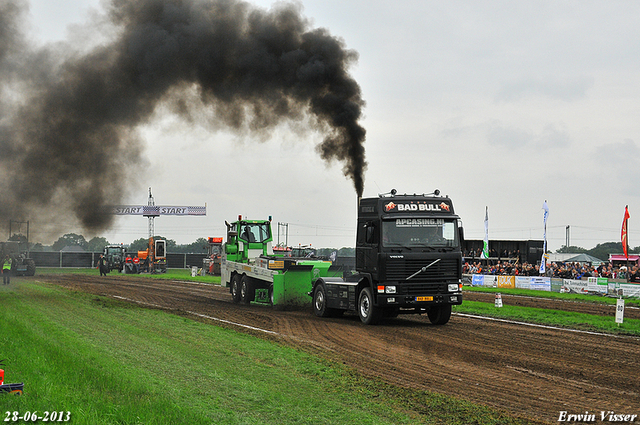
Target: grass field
109, 362
572, 320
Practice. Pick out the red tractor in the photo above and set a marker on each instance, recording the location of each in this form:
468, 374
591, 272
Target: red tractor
211, 263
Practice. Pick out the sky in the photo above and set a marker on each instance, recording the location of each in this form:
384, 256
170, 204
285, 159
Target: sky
498, 104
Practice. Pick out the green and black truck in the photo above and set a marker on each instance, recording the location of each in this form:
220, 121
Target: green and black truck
408, 261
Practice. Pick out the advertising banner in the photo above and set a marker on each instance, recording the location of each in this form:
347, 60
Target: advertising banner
478, 280
507, 282
541, 283
523, 282
625, 289
490, 281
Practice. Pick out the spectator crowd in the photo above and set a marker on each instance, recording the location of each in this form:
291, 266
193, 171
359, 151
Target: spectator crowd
554, 269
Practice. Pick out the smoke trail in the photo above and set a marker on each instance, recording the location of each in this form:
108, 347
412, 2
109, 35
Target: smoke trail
73, 143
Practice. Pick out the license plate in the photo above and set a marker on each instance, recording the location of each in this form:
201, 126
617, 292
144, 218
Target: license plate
424, 298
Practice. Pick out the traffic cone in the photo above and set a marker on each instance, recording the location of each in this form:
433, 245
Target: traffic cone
498, 300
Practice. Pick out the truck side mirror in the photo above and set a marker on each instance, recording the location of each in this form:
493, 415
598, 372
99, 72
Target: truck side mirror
461, 234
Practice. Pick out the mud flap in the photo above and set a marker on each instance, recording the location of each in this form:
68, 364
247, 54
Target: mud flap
292, 287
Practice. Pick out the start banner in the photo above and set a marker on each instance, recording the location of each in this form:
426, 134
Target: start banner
155, 210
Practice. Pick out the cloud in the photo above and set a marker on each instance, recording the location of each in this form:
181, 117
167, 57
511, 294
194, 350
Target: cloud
567, 89
620, 160
550, 137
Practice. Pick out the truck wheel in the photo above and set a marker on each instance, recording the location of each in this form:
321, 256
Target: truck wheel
31, 267
369, 313
440, 315
235, 288
320, 301
247, 291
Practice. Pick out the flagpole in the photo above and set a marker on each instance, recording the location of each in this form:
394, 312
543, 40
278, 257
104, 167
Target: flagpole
543, 265
626, 240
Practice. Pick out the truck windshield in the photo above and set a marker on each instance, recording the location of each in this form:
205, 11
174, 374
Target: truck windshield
416, 232
255, 232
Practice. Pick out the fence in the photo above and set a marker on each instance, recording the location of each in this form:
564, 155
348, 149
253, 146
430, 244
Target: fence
592, 285
90, 259
174, 260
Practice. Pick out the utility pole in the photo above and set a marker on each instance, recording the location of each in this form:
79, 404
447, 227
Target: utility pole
568, 237
285, 227
151, 213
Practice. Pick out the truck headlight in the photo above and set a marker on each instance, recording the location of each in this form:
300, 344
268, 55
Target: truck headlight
453, 287
391, 289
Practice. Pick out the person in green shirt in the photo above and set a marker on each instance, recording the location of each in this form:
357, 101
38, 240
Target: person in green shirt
6, 269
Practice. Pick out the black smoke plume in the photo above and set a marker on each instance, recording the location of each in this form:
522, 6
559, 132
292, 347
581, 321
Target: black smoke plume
68, 119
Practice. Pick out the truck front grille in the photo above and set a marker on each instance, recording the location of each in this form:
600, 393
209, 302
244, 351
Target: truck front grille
445, 270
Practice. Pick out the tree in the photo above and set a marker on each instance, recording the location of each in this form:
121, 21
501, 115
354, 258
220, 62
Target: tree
97, 244
201, 245
70, 239
143, 243
139, 245
18, 237
39, 247
347, 252
603, 250
571, 250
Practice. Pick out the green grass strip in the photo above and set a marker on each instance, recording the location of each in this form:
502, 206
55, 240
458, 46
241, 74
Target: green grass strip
171, 274
596, 299
559, 318
109, 362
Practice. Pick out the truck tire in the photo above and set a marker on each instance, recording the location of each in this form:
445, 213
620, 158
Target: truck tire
368, 312
439, 315
320, 301
31, 267
235, 288
247, 290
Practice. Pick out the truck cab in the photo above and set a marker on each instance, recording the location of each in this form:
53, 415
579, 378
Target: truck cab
115, 256
408, 261
248, 239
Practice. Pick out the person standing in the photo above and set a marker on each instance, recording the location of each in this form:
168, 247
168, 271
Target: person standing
6, 269
102, 265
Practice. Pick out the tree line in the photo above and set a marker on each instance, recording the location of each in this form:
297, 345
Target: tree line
97, 244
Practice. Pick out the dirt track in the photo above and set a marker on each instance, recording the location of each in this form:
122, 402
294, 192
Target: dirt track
528, 371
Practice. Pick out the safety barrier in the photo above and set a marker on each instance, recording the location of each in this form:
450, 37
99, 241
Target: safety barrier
90, 259
591, 285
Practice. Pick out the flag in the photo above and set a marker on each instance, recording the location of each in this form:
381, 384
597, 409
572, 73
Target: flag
624, 233
543, 265
485, 248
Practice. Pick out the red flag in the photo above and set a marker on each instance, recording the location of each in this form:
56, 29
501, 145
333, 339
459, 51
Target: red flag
623, 235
